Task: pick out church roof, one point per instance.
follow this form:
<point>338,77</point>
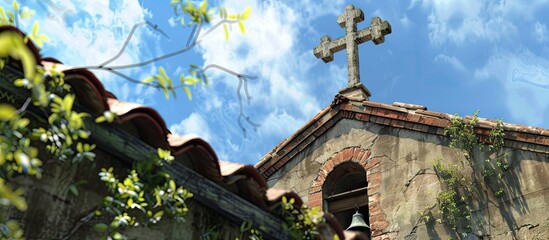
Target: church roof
<point>146,125</point>
<point>397,115</point>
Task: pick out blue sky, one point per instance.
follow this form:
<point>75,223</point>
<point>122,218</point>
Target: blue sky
<point>451,56</point>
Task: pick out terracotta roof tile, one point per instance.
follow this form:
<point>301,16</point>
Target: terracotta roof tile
<point>399,115</point>
<point>148,126</point>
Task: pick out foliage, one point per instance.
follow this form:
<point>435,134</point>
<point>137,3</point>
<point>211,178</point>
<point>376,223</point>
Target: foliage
<point>453,199</point>
<point>300,223</point>
<point>143,196</point>
<point>146,194</point>
<point>201,14</point>
<point>458,192</point>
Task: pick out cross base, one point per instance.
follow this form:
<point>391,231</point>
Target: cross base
<point>357,92</point>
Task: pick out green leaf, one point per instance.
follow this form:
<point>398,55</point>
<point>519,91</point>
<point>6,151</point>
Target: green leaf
<point>117,236</point>
<point>20,82</point>
<point>73,189</point>
<point>203,6</point>
<point>100,227</point>
<point>190,80</point>
<point>15,5</point>
<point>241,25</point>
<point>35,28</point>
<point>158,214</point>
<point>188,92</point>
<point>172,185</point>
<point>148,80</point>
<point>246,13</point>
<point>100,119</point>
<point>7,112</point>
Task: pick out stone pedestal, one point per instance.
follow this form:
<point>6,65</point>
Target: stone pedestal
<point>357,92</point>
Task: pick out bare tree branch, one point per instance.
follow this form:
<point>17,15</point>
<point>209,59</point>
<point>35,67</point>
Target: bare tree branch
<point>130,35</point>
<point>194,39</point>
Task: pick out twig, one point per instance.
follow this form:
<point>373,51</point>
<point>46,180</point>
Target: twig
<point>82,220</point>
<point>130,35</point>
<point>168,55</point>
<point>24,107</point>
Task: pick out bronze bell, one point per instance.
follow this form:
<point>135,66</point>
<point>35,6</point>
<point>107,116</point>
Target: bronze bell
<point>358,223</point>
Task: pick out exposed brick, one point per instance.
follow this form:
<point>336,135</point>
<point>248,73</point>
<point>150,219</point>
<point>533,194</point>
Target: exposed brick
<point>413,118</point>
<point>399,124</point>
<point>380,225</point>
<point>366,156</point>
<point>365,118</point>
<point>315,199</point>
<point>377,233</point>
<point>373,198</point>
<point>377,217</point>
<point>347,154</point>
<point>358,154</point>
<point>338,158</point>
<point>373,190</point>
<point>328,166</point>
<point>373,162</point>
<point>315,189</point>
<point>374,177</point>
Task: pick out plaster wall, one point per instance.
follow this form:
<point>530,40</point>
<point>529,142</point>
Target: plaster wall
<point>402,182</point>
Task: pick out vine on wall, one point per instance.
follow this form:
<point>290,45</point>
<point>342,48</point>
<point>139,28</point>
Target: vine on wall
<point>460,189</point>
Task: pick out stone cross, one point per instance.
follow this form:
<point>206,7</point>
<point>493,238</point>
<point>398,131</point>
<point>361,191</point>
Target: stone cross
<point>376,32</point>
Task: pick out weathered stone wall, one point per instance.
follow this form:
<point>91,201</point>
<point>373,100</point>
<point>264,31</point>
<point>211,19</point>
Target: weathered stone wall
<point>401,182</point>
<point>56,213</point>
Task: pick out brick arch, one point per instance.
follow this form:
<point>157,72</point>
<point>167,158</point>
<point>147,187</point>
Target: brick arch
<point>378,220</point>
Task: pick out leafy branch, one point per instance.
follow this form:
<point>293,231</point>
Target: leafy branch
<point>162,81</point>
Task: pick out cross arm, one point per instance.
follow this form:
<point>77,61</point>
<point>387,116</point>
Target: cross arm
<point>376,32</point>
<point>327,48</point>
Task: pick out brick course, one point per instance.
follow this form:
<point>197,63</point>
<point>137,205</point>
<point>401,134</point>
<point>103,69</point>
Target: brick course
<point>378,220</point>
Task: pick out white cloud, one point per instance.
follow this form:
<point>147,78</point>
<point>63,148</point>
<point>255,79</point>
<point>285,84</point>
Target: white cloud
<point>194,124</point>
<point>283,98</point>
<point>172,21</point>
<point>452,60</point>
<point>405,21</point>
<point>525,80</point>
<point>88,33</point>
<point>540,32</point>
<point>273,56</point>
<point>457,22</point>
<point>280,122</point>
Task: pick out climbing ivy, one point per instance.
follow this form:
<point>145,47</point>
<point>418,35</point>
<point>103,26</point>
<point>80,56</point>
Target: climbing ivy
<point>459,188</point>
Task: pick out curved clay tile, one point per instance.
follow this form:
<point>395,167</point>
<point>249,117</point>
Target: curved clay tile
<point>151,127</point>
<point>274,196</point>
<point>197,154</point>
<point>88,90</point>
<point>191,151</point>
<point>249,183</point>
<point>231,168</point>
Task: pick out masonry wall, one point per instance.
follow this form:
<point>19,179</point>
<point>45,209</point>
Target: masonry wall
<point>55,213</point>
<point>401,182</point>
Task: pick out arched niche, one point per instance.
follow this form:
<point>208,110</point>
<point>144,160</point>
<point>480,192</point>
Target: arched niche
<point>344,191</point>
